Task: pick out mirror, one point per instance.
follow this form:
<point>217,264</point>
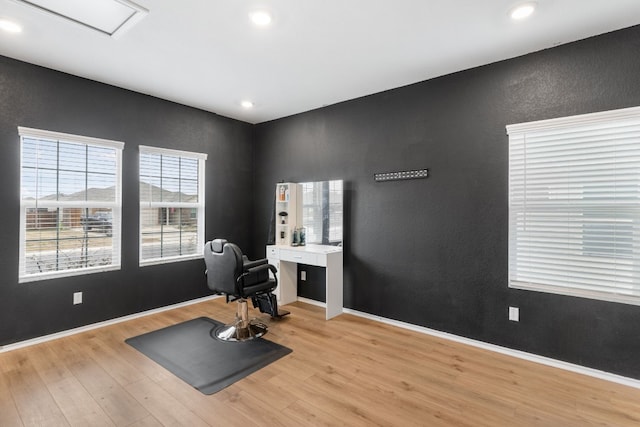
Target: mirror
<point>323,212</point>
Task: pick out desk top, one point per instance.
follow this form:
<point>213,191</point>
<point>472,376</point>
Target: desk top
<point>316,249</point>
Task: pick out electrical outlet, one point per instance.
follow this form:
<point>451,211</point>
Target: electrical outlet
<point>77,298</point>
<point>514,314</point>
<point>303,275</point>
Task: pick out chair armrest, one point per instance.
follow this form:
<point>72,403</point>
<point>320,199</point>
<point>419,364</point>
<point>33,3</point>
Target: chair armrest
<point>247,264</point>
<point>258,268</point>
<point>261,267</point>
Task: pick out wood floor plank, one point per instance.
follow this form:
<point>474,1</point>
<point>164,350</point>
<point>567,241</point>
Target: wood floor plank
<point>162,405</point>
<point>77,405</point>
<point>114,400</point>
<point>8,411</point>
<point>214,410</point>
<point>35,404</point>
<point>146,422</point>
<point>349,371</point>
<point>304,413</point>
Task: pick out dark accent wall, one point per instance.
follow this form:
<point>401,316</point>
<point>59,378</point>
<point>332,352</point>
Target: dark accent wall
<point>433,252</point>
<point>40,98</point>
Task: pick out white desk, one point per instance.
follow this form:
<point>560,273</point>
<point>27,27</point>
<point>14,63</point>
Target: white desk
<point>286,260</point>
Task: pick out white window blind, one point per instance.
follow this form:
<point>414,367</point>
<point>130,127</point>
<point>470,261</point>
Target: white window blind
<point>171,205</point>
<point>70,204</point>
<point>574,205</point>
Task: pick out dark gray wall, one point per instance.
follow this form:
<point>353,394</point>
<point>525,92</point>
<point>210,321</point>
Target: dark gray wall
<point>36,97</point>
<point>429,252</point>
<point>434,252</point>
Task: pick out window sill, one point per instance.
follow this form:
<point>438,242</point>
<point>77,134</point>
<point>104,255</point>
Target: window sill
<point>157,261</point>
<point>602,296</point>
<point>66,273</point>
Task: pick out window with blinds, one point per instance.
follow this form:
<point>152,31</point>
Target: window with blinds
<point>171,205</point>
<point>574,205</point>
<point>70,204</point>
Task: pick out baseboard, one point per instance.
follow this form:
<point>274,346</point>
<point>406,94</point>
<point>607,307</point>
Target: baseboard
<point>45,338</point>
<point>312,302</point>
<point>618,379</point>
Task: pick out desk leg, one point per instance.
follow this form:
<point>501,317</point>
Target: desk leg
<point>288,283</point>
<point>334,285</point>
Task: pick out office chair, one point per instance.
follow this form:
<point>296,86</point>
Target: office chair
<point>234,275</point>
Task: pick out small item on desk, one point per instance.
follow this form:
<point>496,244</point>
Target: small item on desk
<point>303,236</point>
<point>295,240</point>
<point>283,217</point>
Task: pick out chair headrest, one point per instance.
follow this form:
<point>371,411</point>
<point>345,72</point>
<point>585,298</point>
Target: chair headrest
<point>217,245</point>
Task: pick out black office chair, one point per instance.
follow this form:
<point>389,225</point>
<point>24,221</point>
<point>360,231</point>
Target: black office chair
<point>234,275</point>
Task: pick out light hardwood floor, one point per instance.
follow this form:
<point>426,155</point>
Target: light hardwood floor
<point>347,371</point>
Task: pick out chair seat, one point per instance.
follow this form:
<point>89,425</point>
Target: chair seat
<point>251,290</point>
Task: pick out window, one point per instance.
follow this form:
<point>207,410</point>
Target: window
<point>574,205</point>
<point>171,205</point>
<point>70,204</point>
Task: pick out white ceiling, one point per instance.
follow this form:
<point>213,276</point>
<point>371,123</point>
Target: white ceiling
<point>207,54</point>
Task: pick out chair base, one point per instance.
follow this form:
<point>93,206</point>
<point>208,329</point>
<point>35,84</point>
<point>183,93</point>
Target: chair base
<point>239,332</point>
<point>242,329</point>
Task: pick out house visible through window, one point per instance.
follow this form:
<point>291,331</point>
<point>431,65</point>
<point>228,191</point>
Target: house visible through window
<point>171,205</point>
<point>574,205</point>
<point>70,205</point>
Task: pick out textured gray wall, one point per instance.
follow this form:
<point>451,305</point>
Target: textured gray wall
<point>434,252</point>
<point>40,98</point>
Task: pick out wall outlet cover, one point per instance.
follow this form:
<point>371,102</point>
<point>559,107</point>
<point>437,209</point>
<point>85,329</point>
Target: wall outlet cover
<point>77,298</point>
<point>514,314</point>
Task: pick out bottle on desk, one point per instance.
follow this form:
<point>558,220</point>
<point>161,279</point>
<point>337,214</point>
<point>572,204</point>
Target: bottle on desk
<point>302,236</point>
<point>295,237</point>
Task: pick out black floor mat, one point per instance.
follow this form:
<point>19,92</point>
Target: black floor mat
<point>188,351</point>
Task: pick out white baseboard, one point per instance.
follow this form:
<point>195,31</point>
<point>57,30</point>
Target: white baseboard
<point>80,329</point>
<point>619,379</point>
<point>312,302</point>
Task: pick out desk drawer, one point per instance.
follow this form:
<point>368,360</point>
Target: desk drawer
<point>273,252</point>
<point>299,257</point>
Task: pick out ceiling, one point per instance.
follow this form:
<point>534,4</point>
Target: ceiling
<point>207,54</point>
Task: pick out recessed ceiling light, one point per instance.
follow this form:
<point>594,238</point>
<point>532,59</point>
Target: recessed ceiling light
<point>260,18</point>
<point>522,11</point>
<point>9,26</point>
<point>246,104</point>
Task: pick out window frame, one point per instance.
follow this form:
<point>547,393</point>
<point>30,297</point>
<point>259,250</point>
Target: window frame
<point>116,205</point>
<point>200,205</point>
<point>627,118</point>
